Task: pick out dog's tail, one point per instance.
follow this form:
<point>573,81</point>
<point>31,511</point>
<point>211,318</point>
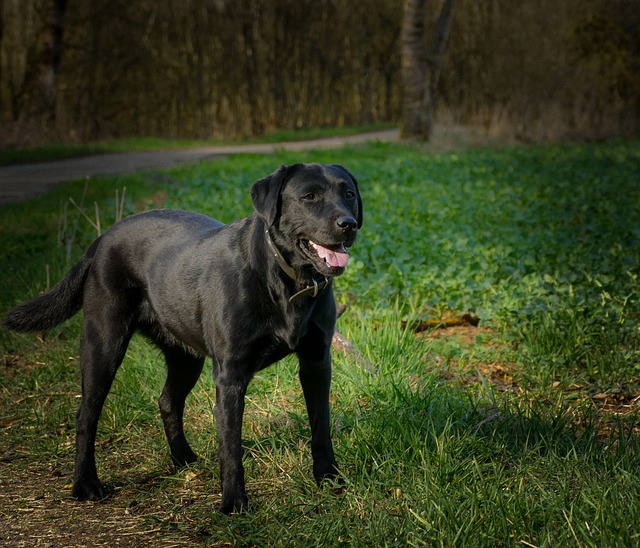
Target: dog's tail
<point>55,306</point>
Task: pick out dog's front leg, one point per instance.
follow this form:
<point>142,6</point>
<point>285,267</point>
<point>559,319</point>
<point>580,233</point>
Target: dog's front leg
<point>229,409</point>
<point>315,377</point>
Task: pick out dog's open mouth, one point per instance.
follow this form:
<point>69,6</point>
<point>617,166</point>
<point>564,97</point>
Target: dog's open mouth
<point>333,256</point>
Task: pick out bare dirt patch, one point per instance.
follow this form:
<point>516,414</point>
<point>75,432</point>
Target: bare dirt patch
<point>502,374</point>
<point>36,510</point>
<point>616,407</point>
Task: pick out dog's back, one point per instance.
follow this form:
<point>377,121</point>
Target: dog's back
<point>65,299</point>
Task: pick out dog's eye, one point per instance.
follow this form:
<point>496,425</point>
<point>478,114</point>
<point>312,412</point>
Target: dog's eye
<point>349,194</point>
<point>309,197</point>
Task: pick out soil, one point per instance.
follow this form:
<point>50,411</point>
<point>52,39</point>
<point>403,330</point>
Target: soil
<point>35,510</point>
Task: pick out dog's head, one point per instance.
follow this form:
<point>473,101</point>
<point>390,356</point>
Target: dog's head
<point>314,212</point>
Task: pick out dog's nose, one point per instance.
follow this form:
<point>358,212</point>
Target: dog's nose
<point>346,223</point>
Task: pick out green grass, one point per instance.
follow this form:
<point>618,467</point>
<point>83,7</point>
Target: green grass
<point>541,243</point>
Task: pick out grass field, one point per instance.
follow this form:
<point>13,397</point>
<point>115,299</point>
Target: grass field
<point>521,430</point>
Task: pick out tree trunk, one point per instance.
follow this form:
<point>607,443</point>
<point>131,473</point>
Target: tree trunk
<point>438,44</point>
<point>414,64</point>
<point>51,56</point>
<point>420,72</point>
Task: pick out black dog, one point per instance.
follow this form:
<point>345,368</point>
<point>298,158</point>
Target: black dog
<point>247,294</point>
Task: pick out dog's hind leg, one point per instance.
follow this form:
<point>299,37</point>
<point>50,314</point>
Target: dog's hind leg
<point>183,370</point>
<point>108,327</point>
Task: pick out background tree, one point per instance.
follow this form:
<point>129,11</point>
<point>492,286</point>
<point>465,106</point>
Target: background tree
<point>414,67</point>
<point>50,58</point>
<point>421,70</point>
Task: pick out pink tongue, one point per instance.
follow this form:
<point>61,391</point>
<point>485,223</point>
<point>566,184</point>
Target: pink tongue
<point>333,258</point>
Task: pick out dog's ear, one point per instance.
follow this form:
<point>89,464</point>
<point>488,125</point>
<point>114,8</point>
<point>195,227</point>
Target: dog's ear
<point>359,217</point>
<point>265,195</point>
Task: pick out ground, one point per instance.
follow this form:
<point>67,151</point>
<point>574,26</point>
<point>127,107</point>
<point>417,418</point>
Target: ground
<point>36,508</point>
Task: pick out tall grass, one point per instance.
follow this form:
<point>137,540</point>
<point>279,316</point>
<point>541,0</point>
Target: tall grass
<point>538,242</point>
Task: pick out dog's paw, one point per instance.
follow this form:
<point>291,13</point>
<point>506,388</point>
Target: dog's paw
<point>184,458</point>
<point>327,473</point>
<point>232,505</point>
<point>328,476</point>
<point>87,490</point>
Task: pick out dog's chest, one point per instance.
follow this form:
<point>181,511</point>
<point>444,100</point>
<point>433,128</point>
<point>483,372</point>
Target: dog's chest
<point>279,338</point>
<point>289,329</point>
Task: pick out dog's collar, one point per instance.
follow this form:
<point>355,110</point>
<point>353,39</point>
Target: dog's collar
<point>311,290</point>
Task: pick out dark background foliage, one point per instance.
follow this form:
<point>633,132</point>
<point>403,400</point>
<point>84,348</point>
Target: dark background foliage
<point>534,70</point>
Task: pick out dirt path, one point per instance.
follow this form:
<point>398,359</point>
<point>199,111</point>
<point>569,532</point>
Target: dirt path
<point>24,181</point>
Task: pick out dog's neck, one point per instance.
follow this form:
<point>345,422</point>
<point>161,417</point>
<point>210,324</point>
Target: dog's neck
<point>308,290</point>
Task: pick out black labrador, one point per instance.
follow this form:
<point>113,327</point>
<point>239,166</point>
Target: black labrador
<point>247,294</point>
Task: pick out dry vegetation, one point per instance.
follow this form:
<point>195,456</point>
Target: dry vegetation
<point>531,70</point>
